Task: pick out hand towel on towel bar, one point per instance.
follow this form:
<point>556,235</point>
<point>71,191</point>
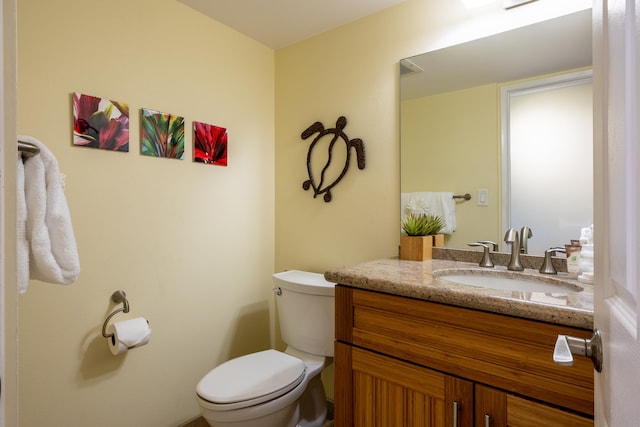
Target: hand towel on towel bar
<point>44,222</point>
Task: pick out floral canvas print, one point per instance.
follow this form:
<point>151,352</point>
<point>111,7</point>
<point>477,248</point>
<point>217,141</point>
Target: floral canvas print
<point>209,144</point>
<point>162,135</point>
<point>100,123</point>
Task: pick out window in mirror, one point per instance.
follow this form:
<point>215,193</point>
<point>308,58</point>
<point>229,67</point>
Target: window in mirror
<point>548,158</point>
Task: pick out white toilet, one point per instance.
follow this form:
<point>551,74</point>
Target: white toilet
<point>271,388</point>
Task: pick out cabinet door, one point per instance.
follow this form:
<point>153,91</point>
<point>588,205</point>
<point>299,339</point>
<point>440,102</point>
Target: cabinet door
<point>495,408</point>
<point>379,391</point>
<point>491,407</point>
<point>525,413</point>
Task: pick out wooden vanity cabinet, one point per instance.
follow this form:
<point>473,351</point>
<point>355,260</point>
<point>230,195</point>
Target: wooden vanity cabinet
<point>412,363</point>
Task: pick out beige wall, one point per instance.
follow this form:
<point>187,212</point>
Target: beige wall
<point>191,244</point>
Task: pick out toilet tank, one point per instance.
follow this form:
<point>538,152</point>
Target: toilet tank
<point>306,311</point>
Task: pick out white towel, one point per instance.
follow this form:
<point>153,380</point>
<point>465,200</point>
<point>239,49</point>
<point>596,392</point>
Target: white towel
<point>441,204</point>
<point>52,245</point>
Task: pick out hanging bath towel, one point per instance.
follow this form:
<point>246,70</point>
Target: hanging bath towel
<point>44,223</point>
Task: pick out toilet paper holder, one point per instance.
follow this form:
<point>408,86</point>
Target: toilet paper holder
<point>117,297</point>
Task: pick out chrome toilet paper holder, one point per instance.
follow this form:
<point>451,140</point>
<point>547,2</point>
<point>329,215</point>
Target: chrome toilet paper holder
<point>117,297</point>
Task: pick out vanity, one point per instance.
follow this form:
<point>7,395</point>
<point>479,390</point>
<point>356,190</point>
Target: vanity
<point>415,349</point>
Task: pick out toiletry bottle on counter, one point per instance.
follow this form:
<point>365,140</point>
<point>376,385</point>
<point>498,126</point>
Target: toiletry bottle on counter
<point>573,257</point>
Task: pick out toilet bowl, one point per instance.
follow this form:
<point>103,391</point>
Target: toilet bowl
<point>272,388</point>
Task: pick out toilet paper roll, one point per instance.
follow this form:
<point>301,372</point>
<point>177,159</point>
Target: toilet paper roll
<point>128,334</point>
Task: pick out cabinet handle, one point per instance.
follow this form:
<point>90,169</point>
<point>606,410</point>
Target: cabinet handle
<point>455,414</point>
<point>487,420</point>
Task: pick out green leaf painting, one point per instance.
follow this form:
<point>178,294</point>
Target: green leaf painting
<point>162,135</point>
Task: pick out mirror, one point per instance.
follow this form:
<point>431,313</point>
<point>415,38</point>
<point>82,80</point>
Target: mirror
<point>450,118</point>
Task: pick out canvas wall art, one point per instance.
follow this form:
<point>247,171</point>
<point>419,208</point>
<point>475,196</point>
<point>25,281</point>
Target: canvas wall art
<point>209,144</point>
<point>162,135</point>
<point>100,123</point>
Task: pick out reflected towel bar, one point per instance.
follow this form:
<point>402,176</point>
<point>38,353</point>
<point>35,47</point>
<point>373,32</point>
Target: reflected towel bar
<point>466,196</point>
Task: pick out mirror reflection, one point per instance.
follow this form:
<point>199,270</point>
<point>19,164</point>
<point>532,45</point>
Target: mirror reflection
<point>458,132</point>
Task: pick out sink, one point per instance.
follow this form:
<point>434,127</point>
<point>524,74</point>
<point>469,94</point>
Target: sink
<point>507,280</point>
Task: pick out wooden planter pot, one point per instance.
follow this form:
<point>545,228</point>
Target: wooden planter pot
<point>419,248</point>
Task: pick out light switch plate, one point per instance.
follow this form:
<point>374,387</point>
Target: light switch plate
<point>483,197</point>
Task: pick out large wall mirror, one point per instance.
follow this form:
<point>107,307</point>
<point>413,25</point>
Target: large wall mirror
<point>456,106</point>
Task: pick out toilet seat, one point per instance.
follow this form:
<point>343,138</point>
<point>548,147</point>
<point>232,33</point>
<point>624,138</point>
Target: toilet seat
<point>251,379</point>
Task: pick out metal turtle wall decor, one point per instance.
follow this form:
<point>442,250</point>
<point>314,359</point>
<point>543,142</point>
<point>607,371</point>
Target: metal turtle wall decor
<point>327,180</point>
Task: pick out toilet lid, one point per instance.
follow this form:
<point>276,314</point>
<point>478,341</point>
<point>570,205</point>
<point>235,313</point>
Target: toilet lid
<point>264,375</point>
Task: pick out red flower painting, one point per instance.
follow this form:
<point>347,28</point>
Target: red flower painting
<point>100,123</point>
<point>209,144</point>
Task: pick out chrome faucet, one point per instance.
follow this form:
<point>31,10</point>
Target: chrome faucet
<point>511,237</point>
<point>525,235</point>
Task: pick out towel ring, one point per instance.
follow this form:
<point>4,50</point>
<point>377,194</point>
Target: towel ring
<point>117,297</point>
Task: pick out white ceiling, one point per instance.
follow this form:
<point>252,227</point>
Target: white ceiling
<point>280,23</point>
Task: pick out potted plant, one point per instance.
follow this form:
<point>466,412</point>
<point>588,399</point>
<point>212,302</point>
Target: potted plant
<point>421,236</point>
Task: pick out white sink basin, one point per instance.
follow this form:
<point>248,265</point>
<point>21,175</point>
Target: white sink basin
<point>507,280</point>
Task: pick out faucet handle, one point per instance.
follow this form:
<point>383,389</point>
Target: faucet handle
<point>547,265</point>
<point>486,256</point>
<point>489,242</point>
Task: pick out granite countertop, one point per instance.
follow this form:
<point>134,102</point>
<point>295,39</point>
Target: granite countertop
<point>420,280</point>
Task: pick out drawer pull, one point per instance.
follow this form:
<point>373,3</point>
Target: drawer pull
<point>455,414</point>
<point>487,420</point>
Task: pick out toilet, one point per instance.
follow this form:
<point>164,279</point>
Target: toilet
<point>272,388</point>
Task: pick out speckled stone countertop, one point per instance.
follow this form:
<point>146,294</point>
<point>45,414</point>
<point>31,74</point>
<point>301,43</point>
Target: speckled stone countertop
<point>420,280</point>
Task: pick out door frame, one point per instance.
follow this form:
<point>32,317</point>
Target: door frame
<point>8,270</point>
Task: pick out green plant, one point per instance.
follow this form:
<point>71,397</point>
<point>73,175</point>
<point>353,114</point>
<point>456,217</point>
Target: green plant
<point>422,224</point>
